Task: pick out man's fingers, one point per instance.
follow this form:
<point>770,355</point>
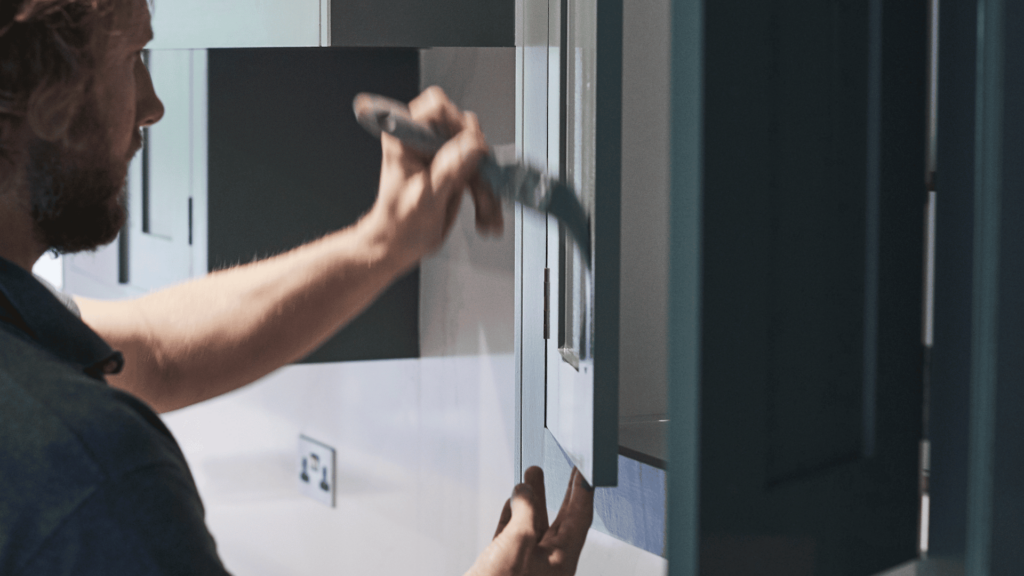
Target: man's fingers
<point>575,516</point>
<point>524,510</point>
<point>451,213</point>
<point>488,207</point>
<point>459,159</point>
<point>534,477</point>
<point>506,515</point>
<point>433,108</point>
<point>568,492</point>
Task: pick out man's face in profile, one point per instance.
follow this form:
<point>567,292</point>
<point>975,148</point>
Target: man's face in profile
<point>77,193</point>
<point>77,188</point>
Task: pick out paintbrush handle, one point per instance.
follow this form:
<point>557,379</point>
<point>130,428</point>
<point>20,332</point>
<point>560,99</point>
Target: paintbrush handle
<point>378,114</point>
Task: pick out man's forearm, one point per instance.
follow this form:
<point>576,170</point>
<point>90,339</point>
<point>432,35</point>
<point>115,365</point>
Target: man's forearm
<point>197,340</point>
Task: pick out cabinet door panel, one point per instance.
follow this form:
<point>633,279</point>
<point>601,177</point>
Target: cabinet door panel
<point>811,206</point>
<point>581,64</point>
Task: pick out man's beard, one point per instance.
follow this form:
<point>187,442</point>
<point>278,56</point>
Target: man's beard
<point>77,193</point>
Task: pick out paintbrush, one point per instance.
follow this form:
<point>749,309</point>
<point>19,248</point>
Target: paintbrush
<point>508,178</point>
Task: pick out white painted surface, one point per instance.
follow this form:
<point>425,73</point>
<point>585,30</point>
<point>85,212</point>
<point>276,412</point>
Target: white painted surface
<point>181,24</point>
<point>423,465</point>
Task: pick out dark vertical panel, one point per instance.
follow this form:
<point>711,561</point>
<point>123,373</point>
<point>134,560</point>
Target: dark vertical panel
<point>145,180</point>
<point>684,323</point>
<point>977,392</point>
<point>607,228</point>
<point>950,368</point>
<point>872,208</point>
<point>288,164</point>
<point>818,236</point>
<point>122,257</point>
<point>414,23</point>
<point>1008,496</point>
<point>809,238</point>
<point>995,506</point>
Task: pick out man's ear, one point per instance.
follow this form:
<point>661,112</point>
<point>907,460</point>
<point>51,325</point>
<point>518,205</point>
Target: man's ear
<point>52,108</point>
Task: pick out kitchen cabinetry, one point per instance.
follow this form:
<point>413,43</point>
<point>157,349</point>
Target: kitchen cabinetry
<point>795,353</point>
<point>796,350</point>
<point>184,24</point>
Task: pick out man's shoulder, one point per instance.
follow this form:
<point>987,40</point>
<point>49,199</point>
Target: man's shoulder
<point>63,437</point>
<point>47,402</point>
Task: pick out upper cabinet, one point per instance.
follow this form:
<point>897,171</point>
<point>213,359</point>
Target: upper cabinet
<point>179,24</point>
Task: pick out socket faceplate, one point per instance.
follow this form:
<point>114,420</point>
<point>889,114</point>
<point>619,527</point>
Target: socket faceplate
<point>315,474</point>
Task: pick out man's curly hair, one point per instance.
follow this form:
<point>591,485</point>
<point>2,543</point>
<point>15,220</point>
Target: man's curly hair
<point>48,56</point>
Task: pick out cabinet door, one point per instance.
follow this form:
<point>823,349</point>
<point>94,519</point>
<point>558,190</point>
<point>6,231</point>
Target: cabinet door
<point>584,148</point>
<point>579,306</point>
<point>572,94</point>
<point>798,204</point>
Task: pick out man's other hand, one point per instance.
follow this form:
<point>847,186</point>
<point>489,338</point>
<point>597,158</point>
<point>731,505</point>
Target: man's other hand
<point>524,544</point>
<point>419,196</point>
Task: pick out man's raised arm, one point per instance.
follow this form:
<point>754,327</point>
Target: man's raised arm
<point>203,338</point>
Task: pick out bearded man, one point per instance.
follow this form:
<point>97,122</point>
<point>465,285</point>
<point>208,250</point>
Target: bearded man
<point>91,482</point>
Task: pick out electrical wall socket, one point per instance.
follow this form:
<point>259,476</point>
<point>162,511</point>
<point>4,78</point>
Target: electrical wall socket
<point>316,474</point>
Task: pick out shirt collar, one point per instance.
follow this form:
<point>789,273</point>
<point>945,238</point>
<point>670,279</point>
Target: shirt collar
<point>27,307</point>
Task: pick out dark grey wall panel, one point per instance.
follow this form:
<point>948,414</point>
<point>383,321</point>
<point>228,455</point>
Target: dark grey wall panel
<point>423,24</point>
<point>288,164</point>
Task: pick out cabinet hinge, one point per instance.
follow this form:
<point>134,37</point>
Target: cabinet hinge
<point>547,303</point>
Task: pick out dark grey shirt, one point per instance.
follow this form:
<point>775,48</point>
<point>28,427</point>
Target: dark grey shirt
<point>91,481</point>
